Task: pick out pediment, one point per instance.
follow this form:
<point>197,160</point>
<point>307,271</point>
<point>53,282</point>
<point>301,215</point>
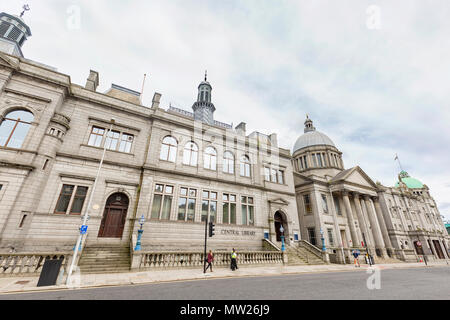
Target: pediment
<point>355,176</point>
<point>279,201</point>
<point>300,179</point>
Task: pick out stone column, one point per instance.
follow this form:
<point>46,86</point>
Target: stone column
<point>341,257</point>
<point>379,243</point>
<point>351,220</point>
<point>384,231</point>
<point>362,222</point>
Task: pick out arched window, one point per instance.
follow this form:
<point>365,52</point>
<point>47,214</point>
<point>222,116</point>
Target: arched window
<point>169,149</point>
<point>14,128</point>
<point>210,159</point>
<point>190,154</point>
<point>245,166</point>
<point>228,162</point>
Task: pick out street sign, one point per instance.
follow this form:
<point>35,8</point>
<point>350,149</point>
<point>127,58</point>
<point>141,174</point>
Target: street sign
<point>83,229</point>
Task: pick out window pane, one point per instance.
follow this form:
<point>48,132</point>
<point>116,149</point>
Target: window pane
<point>192,193</point>
<point>226,208</point>
<point>64,199</point>
<point>250,200</point>
<point>183,191</point>
<point>191,210</point>
<point>214,195</point>
<point>165,214</point>
<point>182,208</point>
<point>267,174</point>
<point>251,216</point>
<point>169,189</point>
<point>205,205</point>
<point>225,197</point>
<point>232,213</point>
<point>213,211</point>
<point>78,202</point>
<point>233,198</point>
<point>280,177</point>
<point>164,155</point>
<point>172,154</point>
<point>5,131</point>
<point>206,194</point>
<point>244,199</point>
<point>244,214</point>
<point>19,135</point>
<point>20,114</point>
<point>156,207</point>
<point>159,188</point>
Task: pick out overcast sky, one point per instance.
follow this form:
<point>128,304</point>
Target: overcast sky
<point>373,75</point>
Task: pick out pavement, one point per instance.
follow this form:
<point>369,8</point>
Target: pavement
<point>23,284</point>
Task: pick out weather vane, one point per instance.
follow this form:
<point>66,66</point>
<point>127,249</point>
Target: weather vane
<point>25,8</point>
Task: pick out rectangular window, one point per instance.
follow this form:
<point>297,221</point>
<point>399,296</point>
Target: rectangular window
<point>307,202</point>
<point>305,162</point>
<point>229,208</point>
<point>267,174</point>
<point>337,205</point>
<point>330,237</point>
<point>209,206</point>
<point>73,197</point>
<point>319,159</point>
<point>273,175</point>
<point>280,177</point>
<point>324,203</point>
<point>186,204</point>
<point>312,236</point>
<point>314,160</point>
<point>162,202</point>
<point>126,142</point>
<point>248,211</point>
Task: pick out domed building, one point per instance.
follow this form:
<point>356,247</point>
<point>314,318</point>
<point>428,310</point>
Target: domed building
<point>344,209</point>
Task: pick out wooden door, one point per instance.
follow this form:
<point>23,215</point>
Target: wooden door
<point>114,216</point>
<point>438,248</point>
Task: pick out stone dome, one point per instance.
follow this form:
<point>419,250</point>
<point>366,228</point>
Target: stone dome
<point>312,137</point>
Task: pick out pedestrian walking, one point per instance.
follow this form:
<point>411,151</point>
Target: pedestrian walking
<point>210,260</point>
<point>234,260</point>
<point>356,254</point>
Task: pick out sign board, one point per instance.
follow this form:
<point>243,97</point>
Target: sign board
<point>83,229</point>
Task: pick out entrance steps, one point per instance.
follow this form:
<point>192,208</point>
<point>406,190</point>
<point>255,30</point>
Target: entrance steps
<point>105,259</point>
<point>302,256</point>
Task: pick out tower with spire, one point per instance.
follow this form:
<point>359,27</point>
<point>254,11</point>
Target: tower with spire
<point>203,108</point>
<point>13,33</point>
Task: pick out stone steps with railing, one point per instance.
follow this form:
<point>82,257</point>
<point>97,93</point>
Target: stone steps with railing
<point>105,259</point>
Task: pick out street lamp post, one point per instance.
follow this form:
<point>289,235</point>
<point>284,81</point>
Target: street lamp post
<point>83,228</point>
<point>324,248</point>
<point>283,247</point>
<point>140,232</point>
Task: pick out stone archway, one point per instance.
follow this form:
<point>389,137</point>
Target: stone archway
<point>114,216</point>
<point>280,219</point>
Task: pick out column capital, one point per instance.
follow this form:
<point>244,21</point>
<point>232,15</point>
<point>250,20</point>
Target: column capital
<point>345,193</point>
<point>366,197</point>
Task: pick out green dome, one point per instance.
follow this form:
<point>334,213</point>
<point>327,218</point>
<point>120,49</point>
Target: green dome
<point>411,183</point>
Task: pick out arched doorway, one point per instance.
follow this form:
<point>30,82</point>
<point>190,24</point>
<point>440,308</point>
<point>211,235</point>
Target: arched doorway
<point>114,216</point>
<point>280,220</point>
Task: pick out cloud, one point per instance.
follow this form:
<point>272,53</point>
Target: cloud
<point>374,92</point>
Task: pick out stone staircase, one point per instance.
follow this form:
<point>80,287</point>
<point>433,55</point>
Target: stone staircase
<point>105,259</point>
<point>302,256</point>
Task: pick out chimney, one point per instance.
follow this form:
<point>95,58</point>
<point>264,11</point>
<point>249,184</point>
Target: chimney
<point>156,100</point>
<point>92,81</point>
<point>240,128</point>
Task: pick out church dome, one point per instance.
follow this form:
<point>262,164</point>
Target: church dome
<point>312,137</point>
<point>411,183</point>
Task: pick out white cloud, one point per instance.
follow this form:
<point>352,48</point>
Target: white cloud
<point>374,92</point>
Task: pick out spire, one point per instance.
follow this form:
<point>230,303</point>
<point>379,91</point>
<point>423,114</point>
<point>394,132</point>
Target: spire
<point>309,125</point>
<point>206,75</point>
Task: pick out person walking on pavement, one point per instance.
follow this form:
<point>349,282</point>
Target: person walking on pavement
<point>210,260</point>
<point>356,254</point>
<point>234,260</point>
